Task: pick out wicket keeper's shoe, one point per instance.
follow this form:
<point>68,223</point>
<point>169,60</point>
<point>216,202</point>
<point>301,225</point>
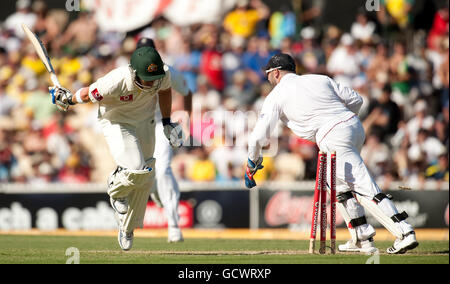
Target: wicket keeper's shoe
<point>119,205</point>
<point>367,246</point>
<point>175,235</point>
<point>401,246</point>
<point>125,240</point>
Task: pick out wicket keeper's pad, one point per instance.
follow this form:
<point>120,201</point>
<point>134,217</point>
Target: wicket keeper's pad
<point>381,215</point>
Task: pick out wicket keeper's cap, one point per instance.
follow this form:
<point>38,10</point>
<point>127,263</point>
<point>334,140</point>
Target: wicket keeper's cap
<point>281,61</point>
<point>148,64</point>
<point>145,41</point>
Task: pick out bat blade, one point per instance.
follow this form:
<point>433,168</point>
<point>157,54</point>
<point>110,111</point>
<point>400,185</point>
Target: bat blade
<point>42,53</point>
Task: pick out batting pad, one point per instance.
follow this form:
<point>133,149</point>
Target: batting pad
<point>137,201</point>
<point>125,181</point>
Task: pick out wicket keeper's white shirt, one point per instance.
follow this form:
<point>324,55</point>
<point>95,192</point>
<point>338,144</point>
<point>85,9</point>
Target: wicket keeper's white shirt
<point>310,105</point>
<point>178,83</point>
<point>120,100</point>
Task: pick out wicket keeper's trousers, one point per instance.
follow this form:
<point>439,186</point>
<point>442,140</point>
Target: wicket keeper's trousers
<point>347,138</point>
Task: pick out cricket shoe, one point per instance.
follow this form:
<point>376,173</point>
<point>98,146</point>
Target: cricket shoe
<point>119,205</point>
<point>401,246</point>
<point>125,240</point>
<point>366,247</point>
<point>175,235</point>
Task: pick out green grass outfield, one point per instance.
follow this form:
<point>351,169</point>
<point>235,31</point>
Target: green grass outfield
<point>17,249</point>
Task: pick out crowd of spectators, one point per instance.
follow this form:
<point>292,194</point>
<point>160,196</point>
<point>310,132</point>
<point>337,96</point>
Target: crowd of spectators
<point>402,74</point>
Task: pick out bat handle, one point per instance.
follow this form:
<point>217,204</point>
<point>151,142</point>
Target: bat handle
<point>55,80</point>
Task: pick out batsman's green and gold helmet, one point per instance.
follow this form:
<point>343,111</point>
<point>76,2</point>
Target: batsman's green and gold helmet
<point>147,64</point>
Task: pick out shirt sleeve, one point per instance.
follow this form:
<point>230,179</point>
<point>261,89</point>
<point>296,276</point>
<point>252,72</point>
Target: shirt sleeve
<point>266,124</point>
<point>351,99</point>
<point>178,82</point>
<point>166,81</point>
<point>105,86</point>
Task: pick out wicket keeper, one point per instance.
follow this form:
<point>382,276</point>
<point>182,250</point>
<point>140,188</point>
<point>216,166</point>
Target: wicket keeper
<point>318,109</point>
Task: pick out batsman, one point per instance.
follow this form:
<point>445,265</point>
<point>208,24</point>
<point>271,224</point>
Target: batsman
<point>127,99</point>
<point>318,109</point>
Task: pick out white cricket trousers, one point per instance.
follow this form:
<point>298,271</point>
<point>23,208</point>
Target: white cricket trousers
<point>167,186</point>
<point>347,139</point>
<point>132,147</point>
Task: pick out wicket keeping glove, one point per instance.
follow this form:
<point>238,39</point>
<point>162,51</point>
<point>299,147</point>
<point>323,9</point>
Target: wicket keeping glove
<point>252,168</point>
<point>173,132</point>
<point>61,97</point>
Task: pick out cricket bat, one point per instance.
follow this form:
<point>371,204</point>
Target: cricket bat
<point>42,53</point>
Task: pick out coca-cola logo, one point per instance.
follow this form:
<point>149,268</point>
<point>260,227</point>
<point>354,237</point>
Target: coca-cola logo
<point>285,209</point>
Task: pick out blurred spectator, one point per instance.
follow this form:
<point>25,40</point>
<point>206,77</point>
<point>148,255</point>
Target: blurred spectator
<point>211,61</point>
<point>439,28</point>
<point>23,15</point>
<point>39,105</point>
<point>376,155</point>
<point>399,74</point>
<point>441,126</point>
<point>74,171</point>
<point>256,57</point>
<point>187,62</point>
<point>439,59</point>
<point>378,69</point>
<point>307,152</point>
<point>384,116</point>
<point>58,144</point>
<point>80,36</point>
<point>8,41</point>
<point>426,145</point>
<point>232,58</point>
<point>203,169</point>
<point>399,10</point>
<point>240,89</point>
<point>7,159</point>
<point>311,12</point>
<point>243,20</point>
<point>363,29</point>
<point>226,159</point>
<point>421,120</point>
<point>289,167</point>
<point>282,24</point>
<point>343,64</point>
<point>7,104</point>
<point>312,58</point>
<point>439,170</point>
<point>248,61</point>
<point>443,73</point>
<point>205,97</point>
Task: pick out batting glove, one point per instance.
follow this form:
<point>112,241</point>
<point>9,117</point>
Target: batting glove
<point>61,97</point>
<point>173,132</point>
<point>252,168</point>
